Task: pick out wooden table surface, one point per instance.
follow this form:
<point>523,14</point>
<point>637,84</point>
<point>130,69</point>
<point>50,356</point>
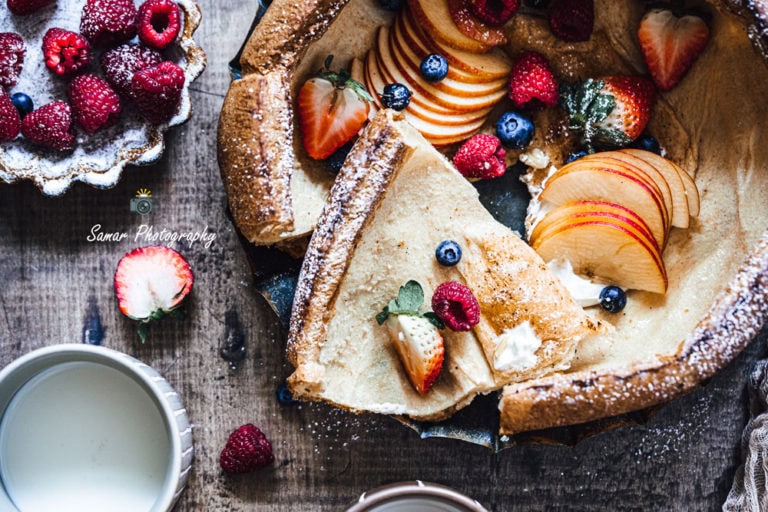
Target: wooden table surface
<point>51,277</point>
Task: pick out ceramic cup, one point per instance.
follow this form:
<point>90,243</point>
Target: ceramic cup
<point>86,428</point>
<point>415,496</point>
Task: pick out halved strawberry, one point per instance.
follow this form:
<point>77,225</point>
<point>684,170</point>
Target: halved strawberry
<point>420,347</point>
<point>151,282</point>
<point>611,111</point>
<point>415,335</point>
<point>671,44</point>
<point>332,108</point>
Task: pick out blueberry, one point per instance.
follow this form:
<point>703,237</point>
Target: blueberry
<point>23,103</point>
<point>284,396</point>
<point>448,253</point>
<point>575,156</point>
<point>336,160</point>
<point>648,143</point>
<point>434,67</point>
<point>613,299</point>
<point>391,5</point>
<point>515,131</point>
<point>396,96</point>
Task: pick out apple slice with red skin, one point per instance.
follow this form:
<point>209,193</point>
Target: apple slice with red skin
<point>437,133</point>
<point>435,18</point>
<point>640,165</point>
<point>470,26</point>
<point>608,248</point>
<point>492,65</point>
<point>581,209</point>
<point>417,52</point>
<point>684,189</point>
<point>410,67</point>
<point>596,182</point>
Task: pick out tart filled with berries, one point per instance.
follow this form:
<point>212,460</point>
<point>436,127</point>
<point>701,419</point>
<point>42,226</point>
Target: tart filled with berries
<point>94,89</point>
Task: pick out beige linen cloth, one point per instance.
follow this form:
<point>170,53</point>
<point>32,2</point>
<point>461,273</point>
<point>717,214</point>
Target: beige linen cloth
<point>750,485</point>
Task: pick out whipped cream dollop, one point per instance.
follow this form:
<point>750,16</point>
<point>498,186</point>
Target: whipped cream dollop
<point>583,291</point>
<point>516,348</point>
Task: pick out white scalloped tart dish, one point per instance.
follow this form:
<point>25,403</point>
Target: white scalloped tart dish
<point>99,159</point>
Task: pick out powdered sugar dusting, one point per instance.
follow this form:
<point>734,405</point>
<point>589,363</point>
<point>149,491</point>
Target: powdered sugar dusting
<point>99,158</point>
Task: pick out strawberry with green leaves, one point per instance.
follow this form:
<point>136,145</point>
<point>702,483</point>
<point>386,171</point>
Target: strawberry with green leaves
<point>416,336</point>
<point>608,112</point>
<point>332,108</point>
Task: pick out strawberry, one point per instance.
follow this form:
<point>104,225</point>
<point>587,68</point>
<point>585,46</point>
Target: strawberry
<point>151,282</point>
<point>671,44</point>
<point>415,335</point>
<point>611,111</point>
<point>332,108</point>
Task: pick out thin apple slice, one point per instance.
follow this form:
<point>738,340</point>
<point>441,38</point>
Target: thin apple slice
<point>470,26</point>
<point>689,186</point>
<point>435,17</point>
<point>587,209</point>
<point>410,68</point>
<point>631,170</point>
<point>607,248</point>
<point>416,53</point>
<point>610,184</point>
<point>426,96</point>
<point>641,166</point>
<point>492,65</point>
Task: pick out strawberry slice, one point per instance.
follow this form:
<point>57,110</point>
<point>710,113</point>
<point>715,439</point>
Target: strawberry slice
<point>420,347</point>
<point>671,44</point>
<point>415,336</point>
<point>332,108</point>
<point>151,282</point>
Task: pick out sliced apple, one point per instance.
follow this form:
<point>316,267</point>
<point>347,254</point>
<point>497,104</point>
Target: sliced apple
<point>581,210</point>
<point>680,209</point>
<point>641,166</point>
<point>672,171</point>
<point>470,26</point>
<point>435,17</point>
<point>594,182</point>
<point>459,100</point>
<point>606,247</point>
<point>491,65</point>
<point>416,51</point>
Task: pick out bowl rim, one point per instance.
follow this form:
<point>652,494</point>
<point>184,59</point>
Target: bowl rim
<point>416,488</point>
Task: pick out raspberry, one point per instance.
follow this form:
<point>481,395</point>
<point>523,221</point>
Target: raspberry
<point>24,7</point>
<point>157,91</point>
<point>247,450</point>
<point>65,51</point>
<point>494,12</point>
<point>12,51</point>
<point>456,306</point>
<point>572,20</point>
<point>108,22</point>
<point>121,63</point>
<point>50,126</point>
<point>159,23</point>
<point>10,121</point>
<point>482,156</point>
<point>531,83</point>
<point>94,104</point>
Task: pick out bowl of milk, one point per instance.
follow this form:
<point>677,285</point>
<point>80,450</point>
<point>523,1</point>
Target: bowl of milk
<point>89,429</point>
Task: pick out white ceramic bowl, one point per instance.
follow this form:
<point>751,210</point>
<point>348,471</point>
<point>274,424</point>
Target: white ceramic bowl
<point>416,496</point>
<point>88,428</point>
